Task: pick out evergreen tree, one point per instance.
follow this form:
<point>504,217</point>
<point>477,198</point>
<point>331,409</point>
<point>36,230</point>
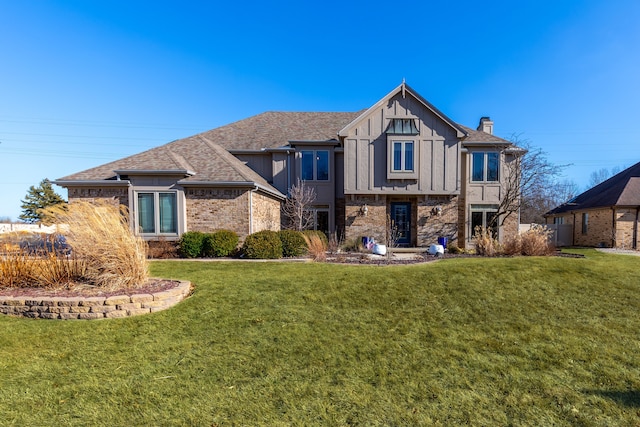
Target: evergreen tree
<point>37,200</point>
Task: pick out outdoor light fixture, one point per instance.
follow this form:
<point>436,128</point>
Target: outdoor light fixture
<point>437,211</point>
<point>364,210</point>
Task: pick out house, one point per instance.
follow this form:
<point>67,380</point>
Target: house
<point>400,163</point>
<point>605,215</point>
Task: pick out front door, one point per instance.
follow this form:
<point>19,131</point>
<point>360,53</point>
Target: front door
<point>401,222</point>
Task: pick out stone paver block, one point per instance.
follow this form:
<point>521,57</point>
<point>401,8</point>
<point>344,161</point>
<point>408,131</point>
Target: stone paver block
<point>92,301</point>
<point>68,316</point>
<point>81,309</point>
<point>90,316</point>
<point>129,306</point>
<point>137,311</point>
<point>58,309</point>
<point>117,300</point>
<point>49,315</point>
<point>116,314</point>
<point>14,301</point>
<point>103,309</point>
<point>141,298</point>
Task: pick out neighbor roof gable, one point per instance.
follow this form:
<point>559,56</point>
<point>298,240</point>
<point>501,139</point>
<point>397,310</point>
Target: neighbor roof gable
<point>622,189</point>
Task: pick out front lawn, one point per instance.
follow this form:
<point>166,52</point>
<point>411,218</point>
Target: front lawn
<point>503,341</point>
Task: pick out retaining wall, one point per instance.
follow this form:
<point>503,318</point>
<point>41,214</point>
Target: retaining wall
<point>89,308</point>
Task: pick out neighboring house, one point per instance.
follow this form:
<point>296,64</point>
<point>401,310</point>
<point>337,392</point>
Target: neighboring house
<point>400,162</point>
<point>605,215</point>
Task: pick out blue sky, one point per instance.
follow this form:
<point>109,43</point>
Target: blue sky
<point>84,83</point>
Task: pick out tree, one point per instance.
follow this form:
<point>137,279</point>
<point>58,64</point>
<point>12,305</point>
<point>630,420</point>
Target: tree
<point>296,207</point>
<point>38,200</point>
<point>601,175</point>
<point>528,182</point>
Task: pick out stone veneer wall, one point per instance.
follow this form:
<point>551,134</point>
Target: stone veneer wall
<point>431,226</point>
<point>116,196</point>
<point>266,212</point>
<point>210,209</point>
<point>373,224</point>
<point>89,308</point>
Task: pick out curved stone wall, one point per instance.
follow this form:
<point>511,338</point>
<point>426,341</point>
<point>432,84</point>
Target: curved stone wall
<point>89,308</point>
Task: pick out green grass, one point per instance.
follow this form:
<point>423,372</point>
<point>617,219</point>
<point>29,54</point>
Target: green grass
<point>506,341</point>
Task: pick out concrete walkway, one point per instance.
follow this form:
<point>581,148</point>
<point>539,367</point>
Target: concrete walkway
<point>619,251</point>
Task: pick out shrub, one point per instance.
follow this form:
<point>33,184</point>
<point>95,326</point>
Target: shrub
<point>264,244</point>
<point>454,249</point>
<point>190,245</point>
<point>293,243</point>
<point>220,243</point>
<point>353,245</point>
<point>316,245</point>
<point>534,242</point>
<point>486,243</point>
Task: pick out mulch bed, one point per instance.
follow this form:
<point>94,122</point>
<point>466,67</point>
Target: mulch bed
<point>83,290</point>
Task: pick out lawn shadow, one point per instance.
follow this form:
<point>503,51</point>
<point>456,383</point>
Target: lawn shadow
<point>630,398</point>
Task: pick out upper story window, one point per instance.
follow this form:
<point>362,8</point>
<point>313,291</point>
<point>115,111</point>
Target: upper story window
<point>402,156</point>
<point>314,165</point>
<point>485,166</point>
<point>402,127</point>
<point>157,212</point>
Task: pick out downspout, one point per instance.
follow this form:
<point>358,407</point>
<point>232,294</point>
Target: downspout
<point>573,233</point>
<point>635,229</point>
<point>614,233</point>
<point>251,209</point>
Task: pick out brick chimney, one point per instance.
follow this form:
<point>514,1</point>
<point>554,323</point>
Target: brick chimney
<point>486,125</point>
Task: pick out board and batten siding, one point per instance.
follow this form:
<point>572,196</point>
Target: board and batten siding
<point>437,154</point>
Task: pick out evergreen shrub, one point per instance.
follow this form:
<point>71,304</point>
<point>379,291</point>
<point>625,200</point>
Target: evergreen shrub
<point>190,245</point>
<point>293,243</point>
<point>220,243</point>
<point>264,244</point>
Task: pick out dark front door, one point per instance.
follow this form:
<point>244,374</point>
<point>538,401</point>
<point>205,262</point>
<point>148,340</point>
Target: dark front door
<point>401,222</point>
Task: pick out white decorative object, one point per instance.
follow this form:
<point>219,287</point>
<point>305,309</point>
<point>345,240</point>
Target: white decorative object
<point>436,250</point>
<point>379,249</point>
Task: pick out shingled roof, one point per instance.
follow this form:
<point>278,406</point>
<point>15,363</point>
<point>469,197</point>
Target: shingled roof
<point>622,189</point>
<point>208,155</point>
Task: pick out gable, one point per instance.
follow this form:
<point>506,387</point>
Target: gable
<point>402,102</point>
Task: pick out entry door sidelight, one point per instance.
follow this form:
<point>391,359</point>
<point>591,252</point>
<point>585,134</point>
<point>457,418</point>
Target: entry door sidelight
<point>401,220</point>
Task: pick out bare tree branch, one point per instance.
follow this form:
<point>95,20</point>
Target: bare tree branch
<point>296,207</point>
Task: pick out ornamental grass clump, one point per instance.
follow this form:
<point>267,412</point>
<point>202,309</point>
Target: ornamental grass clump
<point>99,235</point>
<point>485,242</point>
<point>317,246</point>
<point>534,242</point>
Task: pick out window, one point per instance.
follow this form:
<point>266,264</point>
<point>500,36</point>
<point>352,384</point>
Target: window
<point>558,220</point>
<point>483,216</point>
<point>320,220</point>
<point>485,166</point>
<point>585,223</point>
<point>314,165</point>
<point>157,213</point>
<point>402,156</point>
